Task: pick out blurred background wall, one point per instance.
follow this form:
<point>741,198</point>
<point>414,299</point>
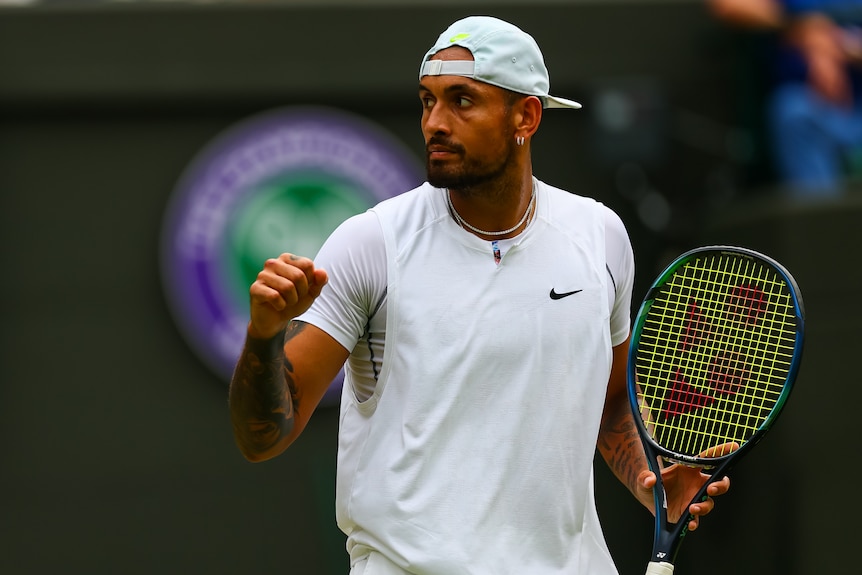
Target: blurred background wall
<point>117,454</point>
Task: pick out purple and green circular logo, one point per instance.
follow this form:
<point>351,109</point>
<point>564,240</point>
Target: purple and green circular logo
<point>278,182</point>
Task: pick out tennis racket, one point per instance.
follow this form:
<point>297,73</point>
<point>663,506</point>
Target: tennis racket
<point>714,353</point>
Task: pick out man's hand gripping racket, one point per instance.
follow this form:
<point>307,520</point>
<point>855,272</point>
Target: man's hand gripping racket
<point>715,350</point>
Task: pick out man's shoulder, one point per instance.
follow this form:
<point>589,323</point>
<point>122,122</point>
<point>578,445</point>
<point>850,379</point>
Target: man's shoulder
<point>577,213</point>
<point>564,201</point>
<point>408,197</point>
<point>419,201</point>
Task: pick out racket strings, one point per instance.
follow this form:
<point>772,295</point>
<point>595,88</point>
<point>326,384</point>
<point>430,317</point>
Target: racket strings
<point>716,347</point>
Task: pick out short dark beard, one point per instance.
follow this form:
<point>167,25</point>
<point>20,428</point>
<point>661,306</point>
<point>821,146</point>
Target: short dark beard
<point>468,177</point>
<point>470,174</point>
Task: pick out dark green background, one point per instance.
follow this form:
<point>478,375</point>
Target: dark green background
<point>117,454</point>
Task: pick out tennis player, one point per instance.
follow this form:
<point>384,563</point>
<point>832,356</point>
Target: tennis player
<point>482,320</point>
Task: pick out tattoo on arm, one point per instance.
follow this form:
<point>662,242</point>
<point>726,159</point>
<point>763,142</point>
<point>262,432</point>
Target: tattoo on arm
<point>263,394</point>
<point>620,445</point>
<point>294,328</point>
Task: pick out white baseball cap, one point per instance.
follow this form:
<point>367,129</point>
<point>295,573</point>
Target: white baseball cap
<point>503,55</point>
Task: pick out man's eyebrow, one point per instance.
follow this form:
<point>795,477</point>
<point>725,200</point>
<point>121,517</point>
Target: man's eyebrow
<point>453,88</point>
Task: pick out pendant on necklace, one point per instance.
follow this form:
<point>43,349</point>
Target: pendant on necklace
<point>495,247</point>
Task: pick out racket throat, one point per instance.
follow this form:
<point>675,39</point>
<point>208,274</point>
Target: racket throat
<point>667,543</point>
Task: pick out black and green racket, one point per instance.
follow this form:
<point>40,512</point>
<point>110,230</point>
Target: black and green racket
<point>715,350</point>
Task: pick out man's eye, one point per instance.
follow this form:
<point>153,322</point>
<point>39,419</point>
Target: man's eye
<point>464,102</point>
<point>427,102</point>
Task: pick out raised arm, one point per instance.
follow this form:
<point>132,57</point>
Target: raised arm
<point>285,366</point>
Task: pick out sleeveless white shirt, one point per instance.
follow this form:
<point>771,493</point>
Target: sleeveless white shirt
<point>471,450</point>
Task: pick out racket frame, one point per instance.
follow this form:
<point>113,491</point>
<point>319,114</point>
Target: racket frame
<point>668,536</point>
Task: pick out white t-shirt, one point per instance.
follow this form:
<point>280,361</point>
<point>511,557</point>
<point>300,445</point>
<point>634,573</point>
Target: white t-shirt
<point>474,390</point>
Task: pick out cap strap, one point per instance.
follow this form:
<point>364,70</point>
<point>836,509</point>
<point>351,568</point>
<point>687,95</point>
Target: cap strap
<point>448,68</point>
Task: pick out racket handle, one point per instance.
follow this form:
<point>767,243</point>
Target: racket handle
<point>659,568</point>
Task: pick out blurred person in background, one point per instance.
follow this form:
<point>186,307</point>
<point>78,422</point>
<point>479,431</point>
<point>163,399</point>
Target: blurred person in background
<point>814,105</point>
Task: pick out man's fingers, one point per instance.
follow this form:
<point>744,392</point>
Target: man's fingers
<point>286,281</point>
<point>297,271</point>
<point>694,524</point>
<point>318,281</point>
<point>305,265</point>
<point>289,275</point>
<point>720,450</point>
<point>719,487</point>
<point>261,293</point>
<point>702,507</point>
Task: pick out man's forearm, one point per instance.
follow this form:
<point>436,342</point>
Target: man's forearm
<point>262,398</point>
<point>621,448</point>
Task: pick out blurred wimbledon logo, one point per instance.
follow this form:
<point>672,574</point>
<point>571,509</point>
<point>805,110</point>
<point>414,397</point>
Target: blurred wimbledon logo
<point>278,182</point>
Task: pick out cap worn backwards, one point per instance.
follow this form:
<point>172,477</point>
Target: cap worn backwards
<point>503,55</point>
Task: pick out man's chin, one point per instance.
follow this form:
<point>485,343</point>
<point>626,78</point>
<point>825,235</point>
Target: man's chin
<point>456,182</point>
<point>440,182</point>
<point>443,180</point>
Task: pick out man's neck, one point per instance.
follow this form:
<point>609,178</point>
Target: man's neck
<point>494,208</point>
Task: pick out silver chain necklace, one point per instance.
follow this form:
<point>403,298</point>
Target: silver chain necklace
<point>464,224</point>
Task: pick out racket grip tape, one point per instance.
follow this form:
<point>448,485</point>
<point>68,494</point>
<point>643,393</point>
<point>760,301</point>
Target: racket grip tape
<point>659,568</point>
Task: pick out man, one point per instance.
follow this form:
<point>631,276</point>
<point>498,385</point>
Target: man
<point>484,319</point>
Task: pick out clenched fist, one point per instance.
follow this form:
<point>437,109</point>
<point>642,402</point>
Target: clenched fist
<point>284,289</point>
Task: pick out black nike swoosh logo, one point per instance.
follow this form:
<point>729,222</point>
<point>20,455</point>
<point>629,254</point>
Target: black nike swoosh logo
<point>555,295</point>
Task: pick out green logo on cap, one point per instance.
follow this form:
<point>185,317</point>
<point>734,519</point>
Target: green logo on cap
<point>457,37</point>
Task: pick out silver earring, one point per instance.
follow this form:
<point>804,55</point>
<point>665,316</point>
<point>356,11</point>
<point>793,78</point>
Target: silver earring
<point>519,140</point>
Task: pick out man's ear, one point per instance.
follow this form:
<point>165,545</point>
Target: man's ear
<point>529,117</point>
